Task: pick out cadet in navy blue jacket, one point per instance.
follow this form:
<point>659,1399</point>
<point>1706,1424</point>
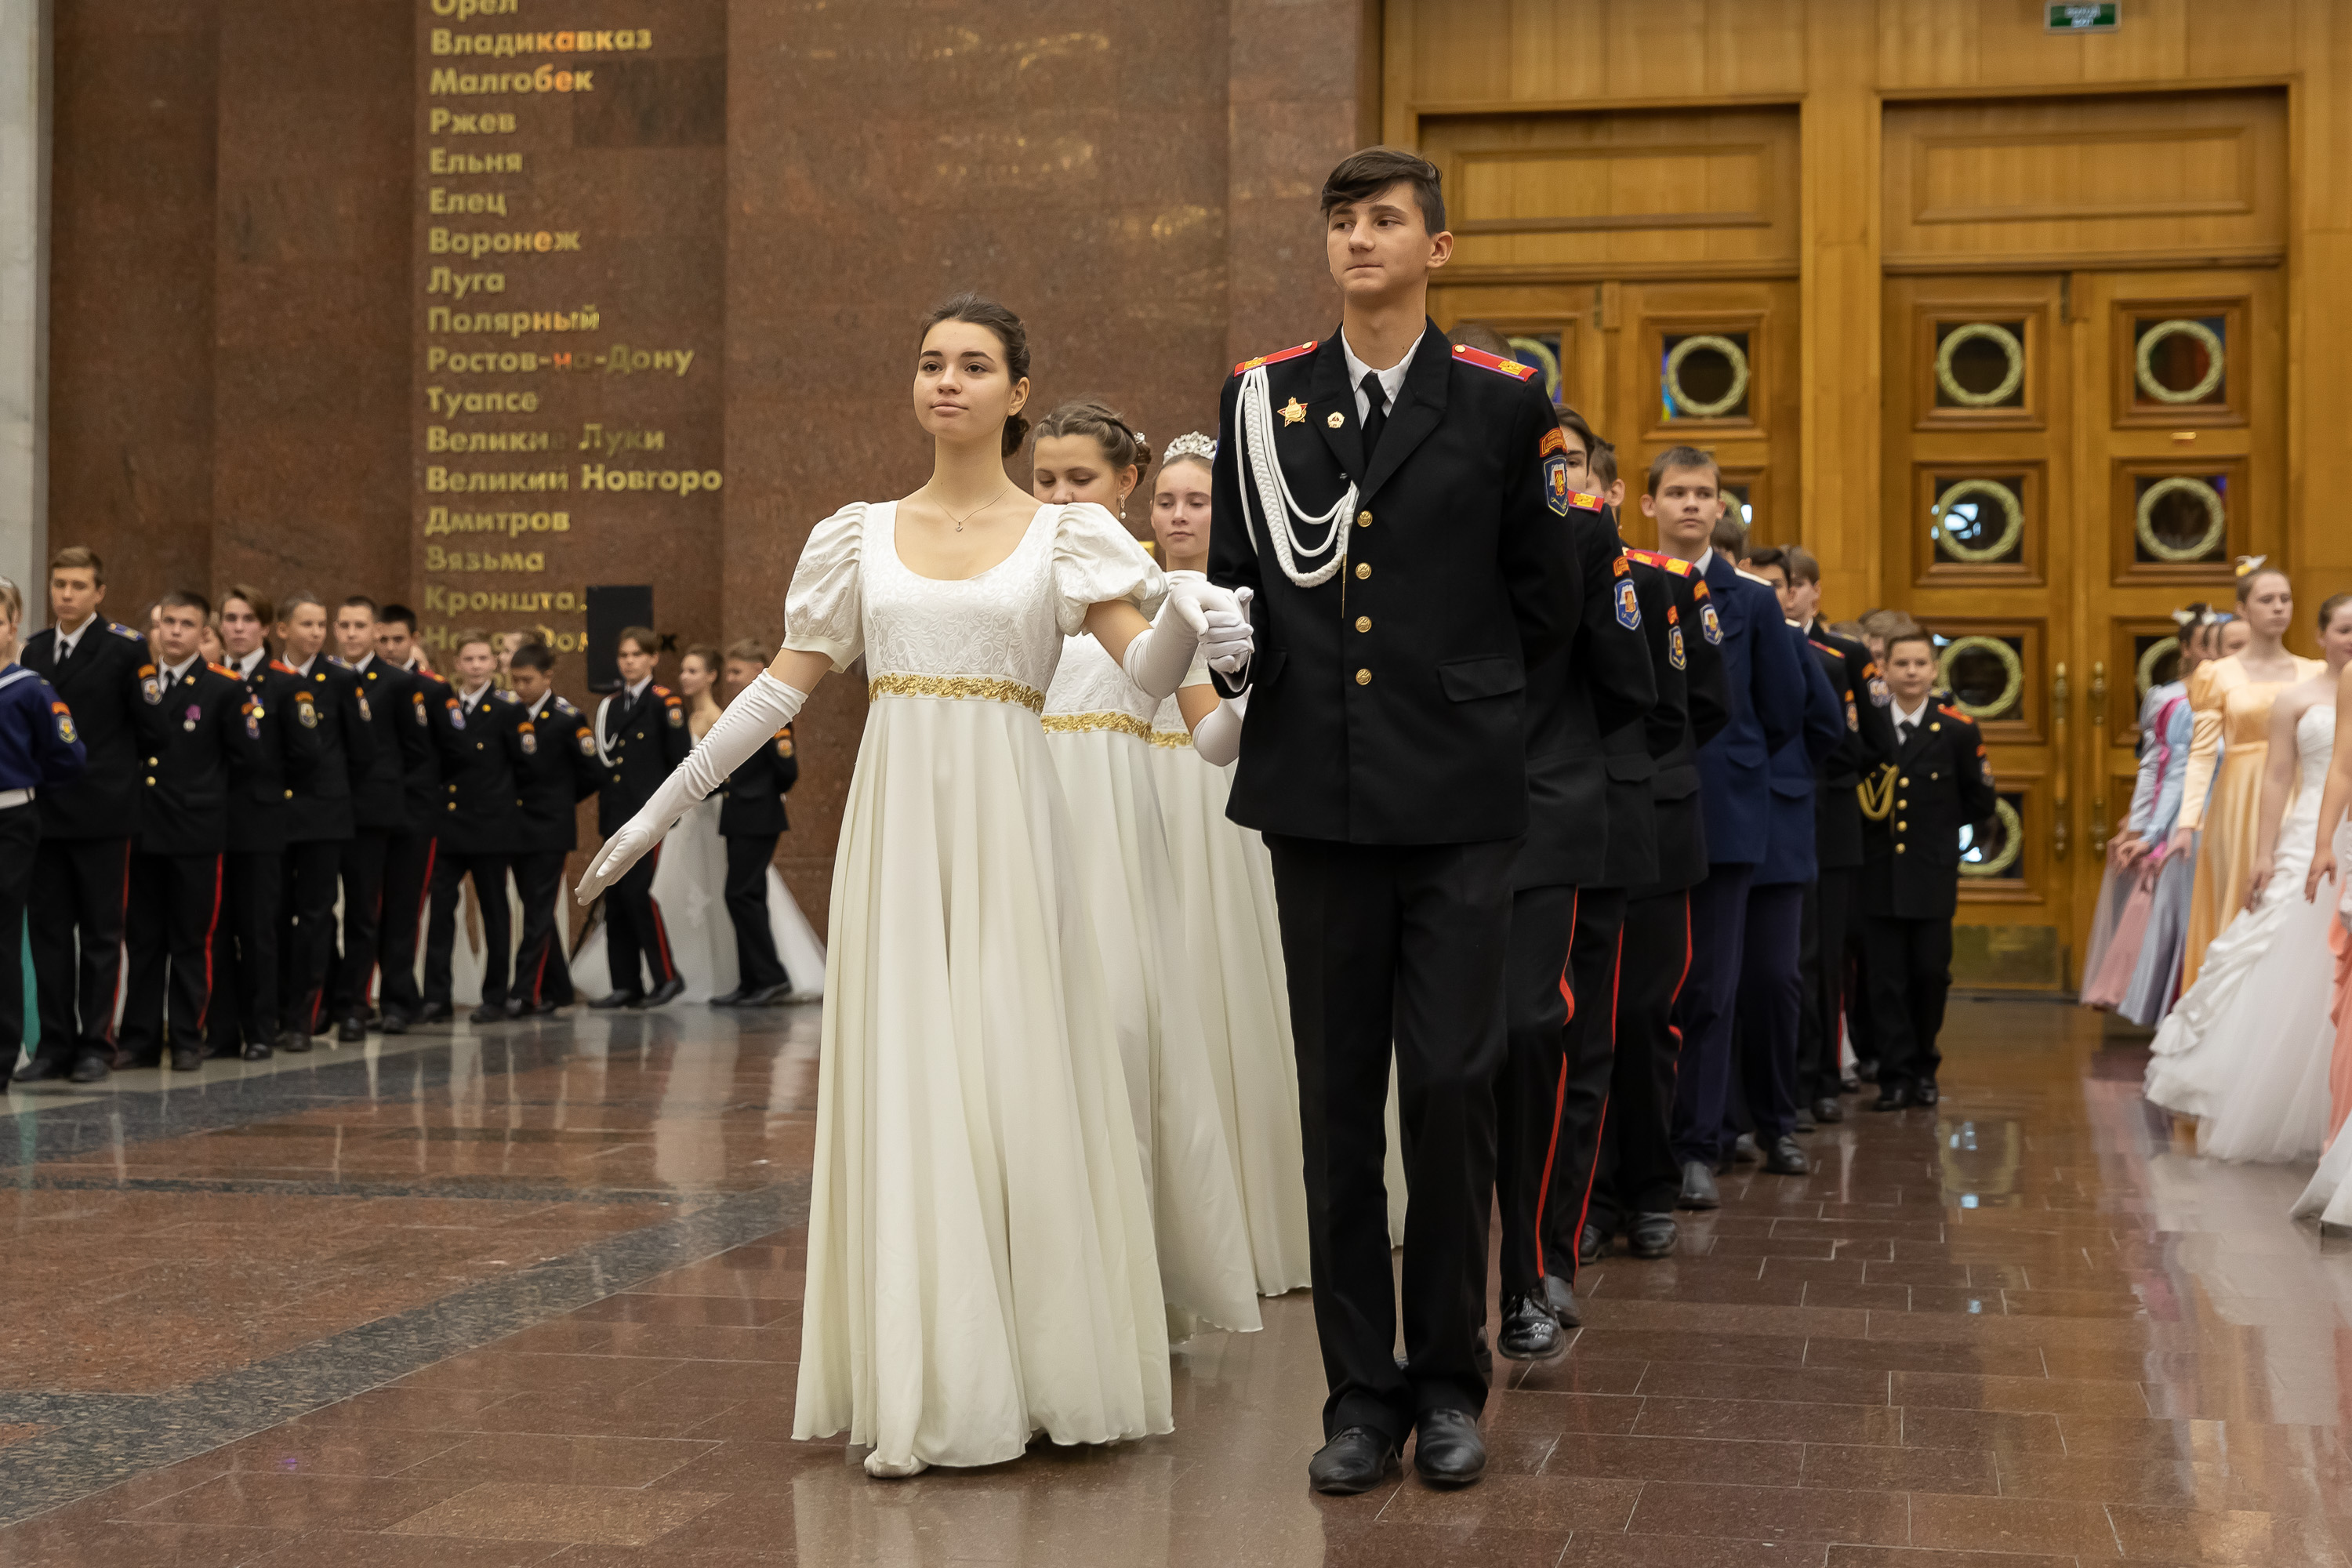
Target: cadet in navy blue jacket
<point>1766,692</point>
<point>38,749</point>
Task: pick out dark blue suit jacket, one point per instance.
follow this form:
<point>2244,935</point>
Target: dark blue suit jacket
<point>1788,852</point>
<point>1767,685</point>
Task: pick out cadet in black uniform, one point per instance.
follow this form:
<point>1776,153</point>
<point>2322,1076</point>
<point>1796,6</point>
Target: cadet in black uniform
<point>409,851</point>
<point>751,819</point>
<point>480,830</point>
<point>321,824</point>
<point>40,749</point>
<point>1910,872</point>
<point>80,875</point>
<point>202,723</point>
<point>261,788</point>
<point>1391,504</point>
<point>379,811</point>
<point>555,770</point>
<point>641,736</point>
<point>1597,684</point>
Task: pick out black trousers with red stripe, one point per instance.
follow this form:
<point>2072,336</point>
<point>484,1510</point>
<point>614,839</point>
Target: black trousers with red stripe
<point>408,858</point>
<point>1588,1082</point>
<point>175,903</point>
<point>362,867</point>
<point>636,941</point>
<point>1540,1009</point>
<point>1638,1173</point>
<point>80,890</point>
<point>451,867</point>
<point>244,952</point>
<point>306,950</point>
<point>542,973</point>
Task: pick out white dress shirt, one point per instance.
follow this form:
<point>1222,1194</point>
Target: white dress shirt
<point>1917,716</point>
<point>1391,379</point>
<point>69,640</point>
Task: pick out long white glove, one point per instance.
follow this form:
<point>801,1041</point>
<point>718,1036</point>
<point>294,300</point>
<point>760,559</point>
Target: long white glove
<point>1227,641</point>
<point>1158,656</point>
<point>1218,737</point>
<point>750,721</point>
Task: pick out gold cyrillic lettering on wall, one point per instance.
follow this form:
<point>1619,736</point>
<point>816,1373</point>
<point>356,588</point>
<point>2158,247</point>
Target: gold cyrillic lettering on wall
<point>452,405</point>
<point>439,560</point>
<point>508,46</point>
<point>593,436</point>
<point>447,80</point>
<point>441,520</point>
<point>675,481</point>
<point>513,324</point>
<point>462,9</point>
<point>480,242</point>
<point>489,362</point>
<point>442,161</point>
<point>445,602</point>
<point>475,204</point>
<point>449,122</point>
<point>441,438</point>
<point>468,481</point>
<point>441,280</point>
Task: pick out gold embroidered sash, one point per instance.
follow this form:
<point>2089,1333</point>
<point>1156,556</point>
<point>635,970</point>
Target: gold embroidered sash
<point>957,686</point>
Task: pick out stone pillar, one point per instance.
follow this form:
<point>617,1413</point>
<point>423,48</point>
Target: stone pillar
<point>23,294</point>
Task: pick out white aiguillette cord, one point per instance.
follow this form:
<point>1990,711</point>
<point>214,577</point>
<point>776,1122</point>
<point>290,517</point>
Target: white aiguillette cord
<point>1262,471</point>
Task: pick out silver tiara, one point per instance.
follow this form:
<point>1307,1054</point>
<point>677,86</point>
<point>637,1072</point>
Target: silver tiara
<point>1192,444</point>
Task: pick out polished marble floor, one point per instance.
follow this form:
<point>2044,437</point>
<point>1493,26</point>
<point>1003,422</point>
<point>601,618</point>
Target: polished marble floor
<point>531,1295</point>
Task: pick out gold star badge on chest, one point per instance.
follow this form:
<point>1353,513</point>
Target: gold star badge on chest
<point>1293,413</point>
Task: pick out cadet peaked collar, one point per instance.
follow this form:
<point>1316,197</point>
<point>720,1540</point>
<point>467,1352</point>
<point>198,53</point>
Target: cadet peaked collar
<point>69,640</point>
<point>1391,379</point>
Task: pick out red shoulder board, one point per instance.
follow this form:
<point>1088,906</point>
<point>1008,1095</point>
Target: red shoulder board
<point>1646,557</point>
<point>1275,358</point>
<point>281,667</point>
<point>220,670</point>
<point>1583,503</point>
<point>1486,361</point>
<point>1951,713</point>
<point>1825,647</point>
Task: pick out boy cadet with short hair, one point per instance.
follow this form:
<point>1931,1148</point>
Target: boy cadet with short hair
<point>481,748</point>
<point>379,811</point>
<point>641,736</point>
<point>751,820</point>
<point>1911,869</point>
<point>424,707</point>
<point>1394,507</point>
<point>555,769</point>
<point>329,700</point>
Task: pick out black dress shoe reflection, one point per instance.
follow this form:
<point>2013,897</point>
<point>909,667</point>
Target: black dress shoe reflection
<point>1827,1109</point>
<point>618,999</point>
<point>1699,1191</point>
<point>1650,1236</point>
<point>352,1031</point>
<point>187,1058</point>
<point>1449,1452</point>
<point>1529,1330</point>
<point>1356,1461</point>
<point>257,1052</point>
<point>489,1013</point>
<point>1891,1097</point>
<point>1560,1297</point>
<point>734,998</point>
<point>661,995</point>
<point>1923,1092</point>
<point>1785,1158</point>
<point>1593,1244</point>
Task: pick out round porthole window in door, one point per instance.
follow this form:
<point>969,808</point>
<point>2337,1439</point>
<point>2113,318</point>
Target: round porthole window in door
<point>2179,360</point>
<point>1986,676</point>
<point>2181,517</point>
<point>1980,365</point>
<point>1705,376</point>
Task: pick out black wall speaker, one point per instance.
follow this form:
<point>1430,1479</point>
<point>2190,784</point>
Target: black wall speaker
<point>610,610</point>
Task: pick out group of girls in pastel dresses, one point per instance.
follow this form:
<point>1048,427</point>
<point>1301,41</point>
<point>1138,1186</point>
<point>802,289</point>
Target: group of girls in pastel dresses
<point>1057,1117</point>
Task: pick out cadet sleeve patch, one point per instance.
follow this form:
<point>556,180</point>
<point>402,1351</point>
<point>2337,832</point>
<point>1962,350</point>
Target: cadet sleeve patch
<point>150,685</point>
<point>529,739</point>
<point>1879,694</point>
<point>587,744</point>
<point>1555,482</point>
<point>1495,362</point>
<point>457,712</point>
<point>306,712</point>
<point>64,715</point>
<point>784,742</point>
<point>1554,440</point>
<point>677,717</point>
<point>366,716</point>
<point>1708,624</point>
<point>1628,604</point>
<point>1675,643</point>
<point>416,705</point>
<point>1248,365</point>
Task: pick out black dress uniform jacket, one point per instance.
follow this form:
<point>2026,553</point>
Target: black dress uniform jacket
<point>202,726</point>
<point>283,754</point>
<point>328,702</point>
<point>478,781</point>
<point>1632,751</point>
<point>1675,739</point>
<point>753,803</point>
<point>101,685</point>
<point>555,769</point>
<point>1911,866</point>
<point>1869,745</point>
<point>432,714</point>
<point>1387,703</point>
<point>1598,683</point>
<point>643,741</point>
<point>378,797</point>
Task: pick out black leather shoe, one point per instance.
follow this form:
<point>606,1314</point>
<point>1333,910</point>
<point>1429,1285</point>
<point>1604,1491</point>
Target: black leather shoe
<point>1786,1159</point>
<point>1560,1297</point>
<point>543,1007</point>
<point>735,998</point>
<point>1592,1246</point>
<point>1865,1070</point>
<point>294,1040</point>
<point>1827,1109</point>
<point>1529,1330</point>
<point>1449,1452</point>
<point>1699,1191</point>
<point>257,1052</point>
<point>436,1013</point>
<point>1891,1097</point>
<point>1356,1461</point>
<point>489,1013</point>
<point>394,1021</point>
<point>1744,1150</point>
<point>352,1031</point>
<point>769,995</point>
<point>1805,1123</point>
<point>41,1069</point>
<point>1650,1236</point>
<point>1848,1084</point>
<point>661,995</point>
<point>1923,1092</point>
<point>618,999</point>
<point>90,1068</point>
<point>187,1058</point>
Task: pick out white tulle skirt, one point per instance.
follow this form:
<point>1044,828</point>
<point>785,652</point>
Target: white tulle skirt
<point>981,1255</point>
<point>690,889</point>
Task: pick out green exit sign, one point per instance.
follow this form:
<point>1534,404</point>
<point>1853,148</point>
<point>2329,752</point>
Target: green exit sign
<point>2071,18</point>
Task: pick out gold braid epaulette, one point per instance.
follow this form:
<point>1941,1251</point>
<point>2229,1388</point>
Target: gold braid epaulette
<point>1119,723</point>
<point>1877,794</point>
<point>986,689</point>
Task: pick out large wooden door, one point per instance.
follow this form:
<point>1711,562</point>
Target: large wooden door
<point>2070,457</point>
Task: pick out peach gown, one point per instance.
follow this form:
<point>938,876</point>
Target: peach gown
<point>2222,793</point>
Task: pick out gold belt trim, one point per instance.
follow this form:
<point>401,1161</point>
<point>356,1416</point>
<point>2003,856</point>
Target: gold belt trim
<point>1121,724</point>
<point>987,690</point>
<point>1172,738</point>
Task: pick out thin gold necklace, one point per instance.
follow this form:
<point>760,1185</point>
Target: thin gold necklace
<point>975,511</point>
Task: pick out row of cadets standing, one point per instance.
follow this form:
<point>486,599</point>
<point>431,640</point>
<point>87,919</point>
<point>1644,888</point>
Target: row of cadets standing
<point>555,768</point>
<point>641,737</point>
<point>480,747</point>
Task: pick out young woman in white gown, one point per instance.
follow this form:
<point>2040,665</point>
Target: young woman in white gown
<point>690,882</point>
<point>2246,1048</point>
<point>981,1262</point>
<point>1098,727</point>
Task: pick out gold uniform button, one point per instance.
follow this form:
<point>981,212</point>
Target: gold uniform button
<point>1902,827</point>
<point>1364,678</point>
<point>1363,520</point>
<point>289,795</point>
<point>1364,570</point>
<point>150,778</point>
<point>1364,623</point>
<point>641,734</point>
<point>1903,805</point>
<point>1906,783</point>
<point>1900,847</point>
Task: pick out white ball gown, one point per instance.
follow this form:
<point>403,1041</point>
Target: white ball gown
<point>2246,1048</point>
<point>981,1258</point>
<point>1097,729</point>
<point>690,891</point>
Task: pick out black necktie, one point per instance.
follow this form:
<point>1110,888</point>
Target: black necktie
<point>1908,727</point>
<point>1376,407</point>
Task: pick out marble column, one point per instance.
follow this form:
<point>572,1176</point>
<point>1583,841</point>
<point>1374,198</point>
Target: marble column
<point>23,292</point>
